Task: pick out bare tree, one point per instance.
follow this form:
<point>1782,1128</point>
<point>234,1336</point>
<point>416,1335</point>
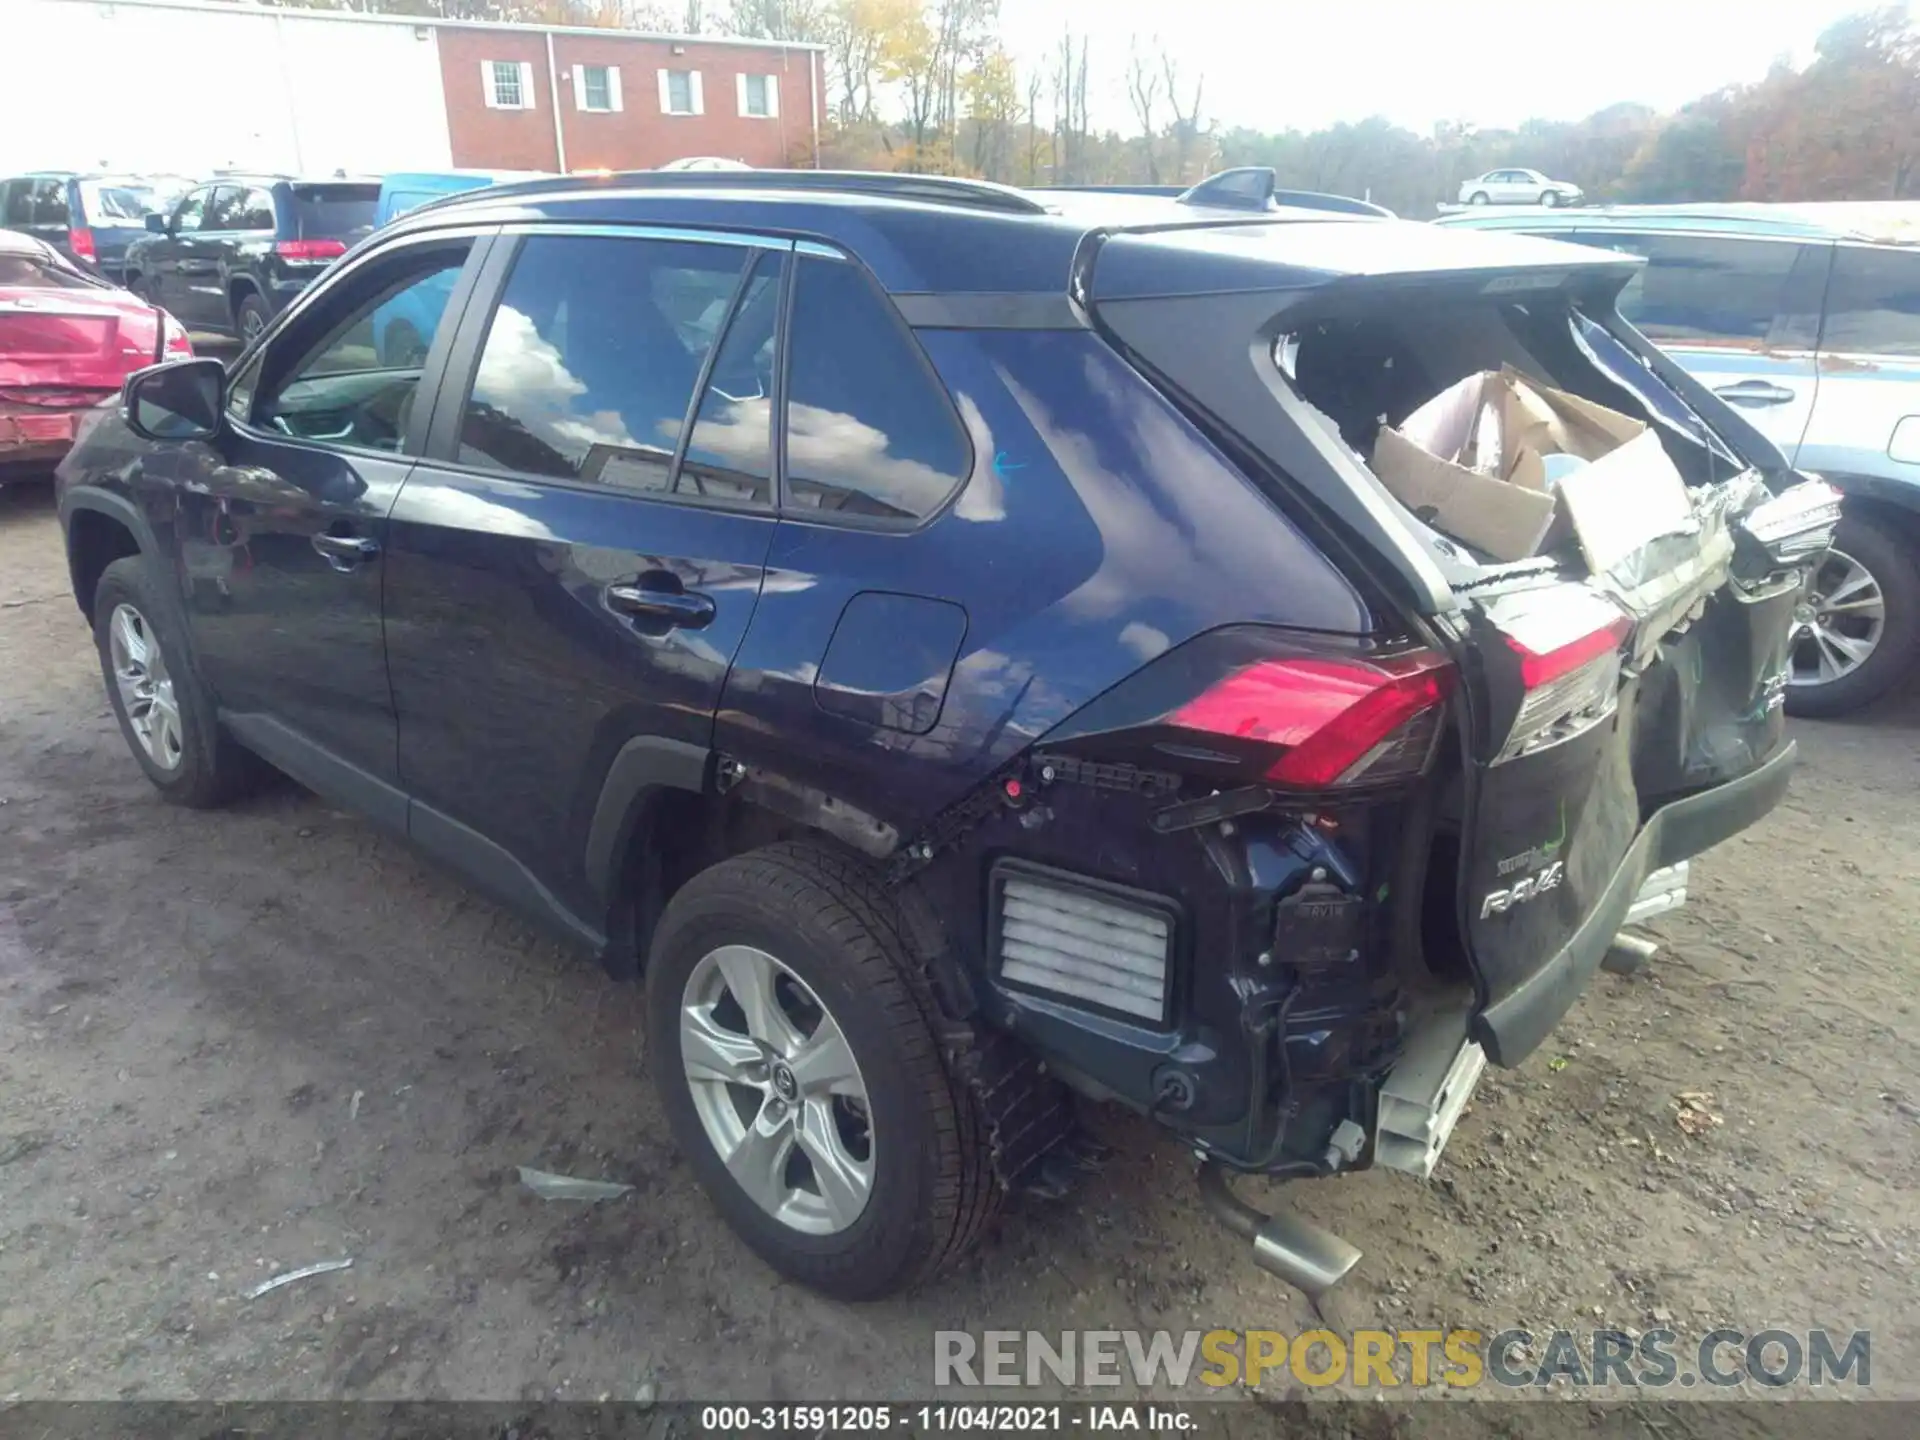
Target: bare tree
<point>1144,88</point>
<point>1187,129</point>
<point>1033,128</point>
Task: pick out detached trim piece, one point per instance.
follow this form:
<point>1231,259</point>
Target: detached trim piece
<point>1511,1028</point>
<point>988,310</point>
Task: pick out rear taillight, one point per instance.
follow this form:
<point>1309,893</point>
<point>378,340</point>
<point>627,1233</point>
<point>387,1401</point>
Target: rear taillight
<point>1570,679</point>
<point>176,341</point>
<point>80,242</point>
<point>1335,721</point>
<point>310,249</point>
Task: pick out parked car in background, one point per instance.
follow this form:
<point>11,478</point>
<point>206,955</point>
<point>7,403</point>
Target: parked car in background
<point>405,190</point>
<point>67,341</point>
<point>1805,318</point>
<point>234,251</point>
<point>91,219</point>
<point>1519,187</point>
<point>402,326</point>
<point>963,665</point>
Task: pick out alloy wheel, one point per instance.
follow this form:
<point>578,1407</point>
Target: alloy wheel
<point>251,325</point>
<point>146,688</point>
<point>777,1090</point>
<point>1838,624</point>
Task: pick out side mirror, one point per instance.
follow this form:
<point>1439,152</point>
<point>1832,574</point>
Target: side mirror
<point>176,401</point>
<point>157,224</point>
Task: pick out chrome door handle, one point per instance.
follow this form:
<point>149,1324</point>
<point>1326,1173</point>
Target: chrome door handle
<point>344,552</point>
<point>1755,392</point>
<point>686,609</point>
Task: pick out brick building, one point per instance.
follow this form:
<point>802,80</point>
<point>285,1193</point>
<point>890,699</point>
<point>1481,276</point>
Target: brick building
<point>521,98</point>
<point>297,90</point>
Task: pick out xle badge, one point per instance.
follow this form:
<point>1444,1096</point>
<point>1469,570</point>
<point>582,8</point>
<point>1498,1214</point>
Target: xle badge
<point>1498,902</point>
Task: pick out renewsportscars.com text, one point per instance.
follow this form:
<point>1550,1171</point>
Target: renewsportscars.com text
<point>1516,1359</point>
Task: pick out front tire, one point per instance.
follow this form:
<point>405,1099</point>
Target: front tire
<point>1550,199</point>
<point>1858,631</point>
<point>166,716</point>
<point>800,1073</point>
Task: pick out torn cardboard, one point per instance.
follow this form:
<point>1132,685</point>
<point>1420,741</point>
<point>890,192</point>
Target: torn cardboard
<point>1471,462</point>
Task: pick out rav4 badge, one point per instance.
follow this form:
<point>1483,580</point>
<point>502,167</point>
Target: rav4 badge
<point>1498,902</point>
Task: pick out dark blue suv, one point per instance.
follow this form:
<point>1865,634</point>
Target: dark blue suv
<point>948,640</point>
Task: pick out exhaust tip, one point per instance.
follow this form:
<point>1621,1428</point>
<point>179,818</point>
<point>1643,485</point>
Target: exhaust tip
<point>1628,954</point>
<point>1307,1256</point>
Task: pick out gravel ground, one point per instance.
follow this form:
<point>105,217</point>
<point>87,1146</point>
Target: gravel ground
<point>238,1043</point>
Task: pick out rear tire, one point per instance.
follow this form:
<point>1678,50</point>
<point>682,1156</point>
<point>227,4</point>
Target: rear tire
<point>250,317</point>
<point>1887,555</point>
<point>165,714</point>
<point>1479,197</point>
<point>834,942</point>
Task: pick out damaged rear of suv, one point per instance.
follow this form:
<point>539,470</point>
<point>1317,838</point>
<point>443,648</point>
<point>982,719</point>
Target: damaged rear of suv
<point>1060,700</point>
<point>1287,891</point>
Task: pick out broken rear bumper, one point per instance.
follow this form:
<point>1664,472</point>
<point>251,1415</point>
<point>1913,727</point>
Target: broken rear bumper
<point>1509,1029</point>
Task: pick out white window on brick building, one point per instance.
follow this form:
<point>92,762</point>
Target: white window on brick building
<point>759,96</point>
<point>596,87</point>
<point>680,93</point>
<point>507,84</point>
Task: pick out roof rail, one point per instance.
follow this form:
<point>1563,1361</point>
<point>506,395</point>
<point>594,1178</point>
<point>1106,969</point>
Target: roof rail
<point>891,185</point>
<point>1254,187</point>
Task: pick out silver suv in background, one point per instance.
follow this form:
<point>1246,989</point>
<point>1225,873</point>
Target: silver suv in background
<point>1805,318</point>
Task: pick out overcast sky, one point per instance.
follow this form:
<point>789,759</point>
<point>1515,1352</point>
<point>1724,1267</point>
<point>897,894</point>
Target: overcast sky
<point>1275,64</point>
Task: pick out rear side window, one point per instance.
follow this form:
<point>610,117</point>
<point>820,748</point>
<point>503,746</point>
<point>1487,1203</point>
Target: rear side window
<point>50,203</point>
<point>119,202</point>
<point>333,212</point>
<point>1743,294</point>
<point>870,432</point>
<point>1873,303</point>
<point>255,211</point>
<point>593,355</point>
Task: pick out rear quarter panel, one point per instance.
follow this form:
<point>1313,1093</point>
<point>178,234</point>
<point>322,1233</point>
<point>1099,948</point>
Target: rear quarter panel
<point>1097,529</point>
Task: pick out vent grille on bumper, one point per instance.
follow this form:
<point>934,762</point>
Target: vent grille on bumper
<point>1083,943</point>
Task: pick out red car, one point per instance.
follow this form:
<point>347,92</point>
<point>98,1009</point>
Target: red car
<point>67,341</point>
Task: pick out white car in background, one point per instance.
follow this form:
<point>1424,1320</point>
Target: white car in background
<point>1519,187</point>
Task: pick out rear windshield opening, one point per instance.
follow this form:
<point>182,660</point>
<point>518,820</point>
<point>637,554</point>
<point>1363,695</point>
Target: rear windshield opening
<point>1365,369</point>
<point>334,212</point>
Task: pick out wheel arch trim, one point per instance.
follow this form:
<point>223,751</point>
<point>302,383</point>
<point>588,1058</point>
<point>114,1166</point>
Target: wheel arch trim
<point>640,769</point>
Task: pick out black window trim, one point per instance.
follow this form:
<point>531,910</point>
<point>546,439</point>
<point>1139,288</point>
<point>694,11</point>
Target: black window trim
<point>442,448</point>
<point>432,373</point>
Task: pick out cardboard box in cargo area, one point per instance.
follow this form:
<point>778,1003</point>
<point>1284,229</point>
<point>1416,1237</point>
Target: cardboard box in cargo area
<point>1473,462</point>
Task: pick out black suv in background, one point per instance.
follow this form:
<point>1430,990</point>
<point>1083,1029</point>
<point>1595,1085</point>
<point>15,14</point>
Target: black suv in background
<point>90,219</point>
<point>949,640</point>
<point>234,251</point>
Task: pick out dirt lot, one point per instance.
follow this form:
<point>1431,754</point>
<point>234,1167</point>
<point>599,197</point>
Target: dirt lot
<point>243,1042</point>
